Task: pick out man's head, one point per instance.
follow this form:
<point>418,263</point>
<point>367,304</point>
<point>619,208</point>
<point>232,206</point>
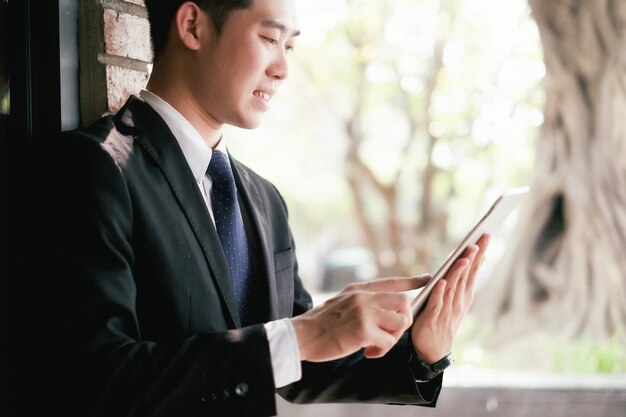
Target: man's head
<point>161,14</point>
<point>226,72</point>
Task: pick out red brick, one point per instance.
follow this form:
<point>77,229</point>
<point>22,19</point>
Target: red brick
<point>127,35</point>
<point>122,82</point>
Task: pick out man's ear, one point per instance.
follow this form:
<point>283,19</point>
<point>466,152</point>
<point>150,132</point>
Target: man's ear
<point>191,22</point>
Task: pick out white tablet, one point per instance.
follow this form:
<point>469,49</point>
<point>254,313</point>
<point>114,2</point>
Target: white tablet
<point>499,210</point>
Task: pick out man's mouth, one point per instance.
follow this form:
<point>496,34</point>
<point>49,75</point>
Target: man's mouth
<point>265,96</point>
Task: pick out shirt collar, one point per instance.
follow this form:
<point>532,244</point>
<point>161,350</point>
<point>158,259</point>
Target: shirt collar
<point>196,151</point>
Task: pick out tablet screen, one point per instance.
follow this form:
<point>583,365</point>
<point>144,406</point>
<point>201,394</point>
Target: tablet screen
<point>488,223</point>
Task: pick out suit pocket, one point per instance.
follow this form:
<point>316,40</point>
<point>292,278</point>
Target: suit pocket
<point>283,270</point>
<point>283,260</point>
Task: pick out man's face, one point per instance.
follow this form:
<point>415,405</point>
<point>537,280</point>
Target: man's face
<point>240,72</point>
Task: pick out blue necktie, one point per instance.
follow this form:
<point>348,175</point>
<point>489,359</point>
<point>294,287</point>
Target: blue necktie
<point>230,230</point>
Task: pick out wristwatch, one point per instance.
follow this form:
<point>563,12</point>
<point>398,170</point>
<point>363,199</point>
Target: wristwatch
<point>423,372</point>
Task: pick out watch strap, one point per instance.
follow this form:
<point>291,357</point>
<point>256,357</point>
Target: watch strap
<point>423,371</point>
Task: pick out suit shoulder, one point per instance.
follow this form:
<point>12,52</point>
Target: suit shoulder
<point>107,134</point>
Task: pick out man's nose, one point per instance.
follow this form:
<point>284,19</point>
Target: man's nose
<point>279,69</point>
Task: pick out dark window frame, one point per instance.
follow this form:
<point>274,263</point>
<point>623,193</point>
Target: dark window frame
<point>42,64</point>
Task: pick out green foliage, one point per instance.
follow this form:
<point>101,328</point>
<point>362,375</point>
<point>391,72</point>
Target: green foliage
<point>590,355</point>
<point>487,99</point>
<point>475,347</point>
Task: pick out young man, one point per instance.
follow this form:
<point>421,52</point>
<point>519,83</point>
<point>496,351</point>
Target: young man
<point>177,294</point>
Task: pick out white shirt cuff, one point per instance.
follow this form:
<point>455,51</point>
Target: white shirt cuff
<point>284,352</point>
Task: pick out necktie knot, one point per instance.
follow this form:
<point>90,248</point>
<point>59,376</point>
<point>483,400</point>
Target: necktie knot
<point>219,168</point>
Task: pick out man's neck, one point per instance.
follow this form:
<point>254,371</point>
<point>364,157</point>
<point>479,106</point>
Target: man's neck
<point>180,99</point>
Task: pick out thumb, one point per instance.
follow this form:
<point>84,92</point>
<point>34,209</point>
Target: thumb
<point>393,284</point>
<point>422,280</point>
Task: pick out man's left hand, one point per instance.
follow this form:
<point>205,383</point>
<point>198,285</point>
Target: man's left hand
<point>435,328</point>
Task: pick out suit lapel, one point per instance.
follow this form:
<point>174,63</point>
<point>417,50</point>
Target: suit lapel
<point>161,145</point>
<point>250,194</point>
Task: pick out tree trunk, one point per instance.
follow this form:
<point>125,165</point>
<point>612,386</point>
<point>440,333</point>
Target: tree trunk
<point>565,266</point>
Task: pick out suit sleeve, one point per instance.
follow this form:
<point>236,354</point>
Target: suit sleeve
<point>86,350</point>
<point>386,380</point>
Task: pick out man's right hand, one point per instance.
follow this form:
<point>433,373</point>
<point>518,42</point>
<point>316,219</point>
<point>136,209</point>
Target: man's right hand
<point>371,315</point>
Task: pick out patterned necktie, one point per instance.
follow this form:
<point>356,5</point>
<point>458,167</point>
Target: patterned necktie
<point>230,230</point>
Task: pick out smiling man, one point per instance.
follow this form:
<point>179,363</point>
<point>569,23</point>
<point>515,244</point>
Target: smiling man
<point>178,291</point>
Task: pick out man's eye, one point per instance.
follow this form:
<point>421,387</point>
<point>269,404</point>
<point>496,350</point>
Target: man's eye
<point>289,48</point>
<point>270,40</point>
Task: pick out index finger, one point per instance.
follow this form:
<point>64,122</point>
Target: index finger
<point>483,242</point>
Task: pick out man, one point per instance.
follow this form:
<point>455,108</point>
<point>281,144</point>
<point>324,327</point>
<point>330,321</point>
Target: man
<point>160,302</point>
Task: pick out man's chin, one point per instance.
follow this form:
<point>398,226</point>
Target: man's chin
<point>249,122</point>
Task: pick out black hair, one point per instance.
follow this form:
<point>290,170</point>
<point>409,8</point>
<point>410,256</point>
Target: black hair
<point>161,14</point>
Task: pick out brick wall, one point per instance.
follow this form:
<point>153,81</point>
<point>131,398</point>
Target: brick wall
<point>114,44</point>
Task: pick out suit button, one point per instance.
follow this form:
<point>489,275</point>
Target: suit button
<point>241,389</point>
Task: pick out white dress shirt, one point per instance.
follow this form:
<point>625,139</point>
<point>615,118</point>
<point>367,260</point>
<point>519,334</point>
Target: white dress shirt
<point>281,335</point>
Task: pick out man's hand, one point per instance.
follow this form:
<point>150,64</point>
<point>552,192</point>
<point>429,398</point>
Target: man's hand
<point>435,328</point>
<point>371,315</point>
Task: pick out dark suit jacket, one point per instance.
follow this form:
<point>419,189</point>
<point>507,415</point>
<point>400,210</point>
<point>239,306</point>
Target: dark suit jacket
<point>134,313</point>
